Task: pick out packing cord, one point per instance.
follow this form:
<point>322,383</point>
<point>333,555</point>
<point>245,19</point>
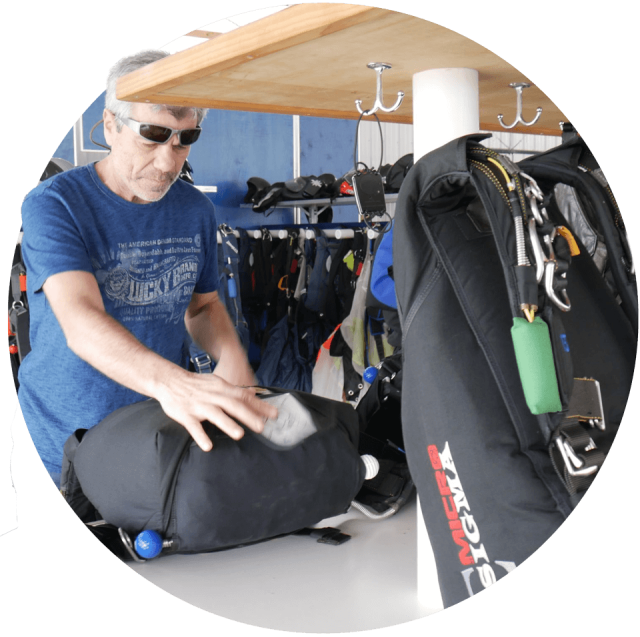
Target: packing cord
<point>356,163</point>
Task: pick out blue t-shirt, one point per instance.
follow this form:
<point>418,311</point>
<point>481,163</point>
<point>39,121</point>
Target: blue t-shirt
<point>148,260</point>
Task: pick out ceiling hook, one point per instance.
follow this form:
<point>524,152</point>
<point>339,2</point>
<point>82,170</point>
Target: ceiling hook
<point>379,67</point>
<point>519,86</point>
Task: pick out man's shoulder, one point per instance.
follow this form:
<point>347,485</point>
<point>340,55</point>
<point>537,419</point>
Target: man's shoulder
<point>62,182</point>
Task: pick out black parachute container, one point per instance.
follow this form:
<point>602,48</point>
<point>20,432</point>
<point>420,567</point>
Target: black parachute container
<point>503,433</point>
<point>138,470</point>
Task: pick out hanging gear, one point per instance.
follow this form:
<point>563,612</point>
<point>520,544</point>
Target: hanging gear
<point>186,173</point>
<point>19,341</point>
<point>368,188</point>
<point>228,261</point>
<point>497,337</point>
<point>393,175</point>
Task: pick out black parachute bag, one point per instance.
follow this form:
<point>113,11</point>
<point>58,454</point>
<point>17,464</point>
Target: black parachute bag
<point>138,470</point>
<point>499,467</point>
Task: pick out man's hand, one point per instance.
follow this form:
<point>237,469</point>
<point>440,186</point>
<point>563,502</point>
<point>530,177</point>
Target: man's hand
<point>191,399</point>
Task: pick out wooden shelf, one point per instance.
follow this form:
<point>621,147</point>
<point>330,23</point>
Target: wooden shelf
<point>311,59</point>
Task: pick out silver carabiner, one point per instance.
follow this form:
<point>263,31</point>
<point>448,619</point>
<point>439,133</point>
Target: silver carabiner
<point>549,271</point>
<point>540,217</point>
<point>533,184</point>
<point>545,265</point>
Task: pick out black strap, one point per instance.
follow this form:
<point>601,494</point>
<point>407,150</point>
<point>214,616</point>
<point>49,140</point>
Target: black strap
<point>376,329</point>
<point>19,308</point>
<point>326,535</point>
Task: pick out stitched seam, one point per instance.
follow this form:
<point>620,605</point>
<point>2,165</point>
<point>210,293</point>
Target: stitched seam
<point>417,304</point>
<point>617,218</point>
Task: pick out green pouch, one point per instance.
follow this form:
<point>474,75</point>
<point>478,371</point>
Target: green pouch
<point>532,345</point>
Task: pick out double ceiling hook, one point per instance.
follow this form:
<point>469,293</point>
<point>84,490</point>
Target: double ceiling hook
<point>379,67</point>
<point>519,86</point>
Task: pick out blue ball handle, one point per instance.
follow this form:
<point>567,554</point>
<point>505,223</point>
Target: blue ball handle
<point>148,544</point>
<point>370,374</point>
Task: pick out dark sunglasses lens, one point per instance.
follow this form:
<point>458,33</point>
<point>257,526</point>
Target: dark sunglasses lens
<point>158,134</point>
<point>188,137</point>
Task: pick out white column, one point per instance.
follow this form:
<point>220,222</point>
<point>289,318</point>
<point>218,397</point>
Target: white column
<point>297,211</point>
<point>445,107</point>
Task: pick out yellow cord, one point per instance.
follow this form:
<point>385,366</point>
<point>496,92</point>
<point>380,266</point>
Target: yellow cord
<point>504,172</point>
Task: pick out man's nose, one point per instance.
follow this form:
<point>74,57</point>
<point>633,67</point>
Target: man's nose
<point>166,155</point>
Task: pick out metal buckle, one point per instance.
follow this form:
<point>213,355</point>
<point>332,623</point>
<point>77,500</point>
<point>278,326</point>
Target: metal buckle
<point>202,362</point>
<point>573,463</point>
<point>225,229</point>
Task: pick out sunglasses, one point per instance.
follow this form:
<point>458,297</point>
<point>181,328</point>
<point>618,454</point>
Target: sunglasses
<point>162,134</point>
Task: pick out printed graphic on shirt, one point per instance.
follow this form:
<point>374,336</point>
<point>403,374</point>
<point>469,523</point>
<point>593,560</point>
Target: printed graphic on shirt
<point>151,280</point>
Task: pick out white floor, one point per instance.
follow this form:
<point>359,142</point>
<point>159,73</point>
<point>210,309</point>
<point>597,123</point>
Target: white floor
<point>295,584</point>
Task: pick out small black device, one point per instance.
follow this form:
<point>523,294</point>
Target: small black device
<point>369,193</point>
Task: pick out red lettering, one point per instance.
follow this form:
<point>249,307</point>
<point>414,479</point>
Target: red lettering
<point>451,513</point>
<point>463,555</point>
<point>455,524</point>
<point>441,479</point>
<point>434,456</point>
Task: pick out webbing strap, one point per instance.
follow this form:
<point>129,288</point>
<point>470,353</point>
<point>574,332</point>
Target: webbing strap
<point>19,312</point>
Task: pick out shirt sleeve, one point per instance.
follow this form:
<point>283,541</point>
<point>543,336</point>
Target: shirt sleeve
<point>51,241</point>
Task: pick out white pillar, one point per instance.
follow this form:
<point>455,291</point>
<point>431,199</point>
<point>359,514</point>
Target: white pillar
<point>446,106</point>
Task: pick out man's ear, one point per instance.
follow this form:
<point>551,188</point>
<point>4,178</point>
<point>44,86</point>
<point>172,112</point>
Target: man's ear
<point>110,128</point>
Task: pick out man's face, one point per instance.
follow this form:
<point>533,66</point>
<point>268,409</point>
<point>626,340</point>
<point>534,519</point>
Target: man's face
<point>142,171</point>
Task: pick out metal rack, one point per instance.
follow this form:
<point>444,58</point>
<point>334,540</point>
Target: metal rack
<point>316,206</point>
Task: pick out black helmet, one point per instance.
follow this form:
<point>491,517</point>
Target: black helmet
<point>256,188</point>
<point>266,199</point>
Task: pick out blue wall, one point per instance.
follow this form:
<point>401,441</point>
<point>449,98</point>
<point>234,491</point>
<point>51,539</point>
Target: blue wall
<point>235,146</point>
<point>65,150</point>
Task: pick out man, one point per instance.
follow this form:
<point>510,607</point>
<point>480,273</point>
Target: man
<point>121,256</point>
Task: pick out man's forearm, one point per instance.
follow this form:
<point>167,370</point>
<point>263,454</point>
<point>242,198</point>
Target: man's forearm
<point>108,346</point>
<point>211,328</point>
